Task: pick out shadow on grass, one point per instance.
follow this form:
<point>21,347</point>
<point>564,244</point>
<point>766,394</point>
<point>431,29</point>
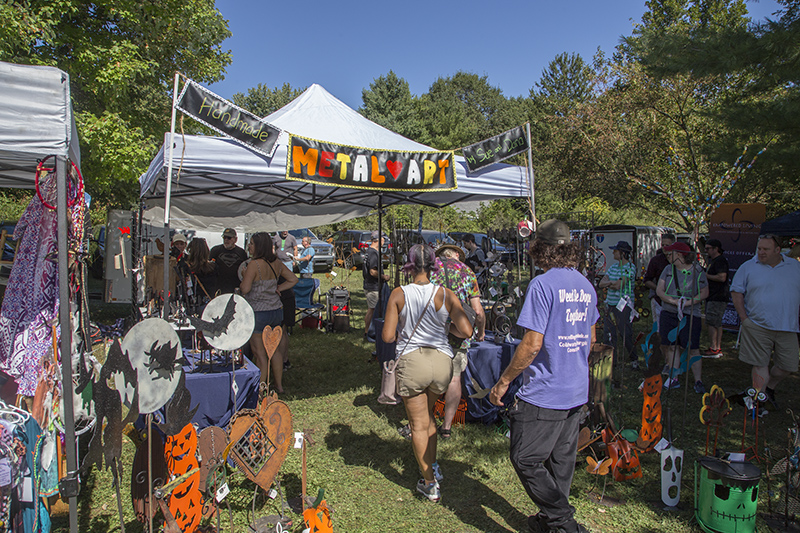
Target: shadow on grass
<point>464,495</point>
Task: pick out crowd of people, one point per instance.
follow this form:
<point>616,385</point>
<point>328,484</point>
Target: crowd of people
<point>433,318</point>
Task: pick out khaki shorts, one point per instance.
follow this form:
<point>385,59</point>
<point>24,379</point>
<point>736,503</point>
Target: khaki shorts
<point>714,312</point>
<point>372,299</point>
<point>423,369</point>
<point>758,344</point>
<point>459,362</point>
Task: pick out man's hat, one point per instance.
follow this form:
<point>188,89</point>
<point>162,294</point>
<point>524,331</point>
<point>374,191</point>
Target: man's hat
<point>553,232</point>
<point>716,243</point>
<point>375,235</point>
<point>622,246</point>
<point>681,247</point>
<point>229,232</point>
<point>179,237</point>
<point>453,247</point>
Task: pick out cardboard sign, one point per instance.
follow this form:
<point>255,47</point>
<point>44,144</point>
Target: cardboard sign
<point>340,165</point>
<point>496,149</point>
<point>228,119</point>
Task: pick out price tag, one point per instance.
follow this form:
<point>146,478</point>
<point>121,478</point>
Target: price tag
<point>518,292</point>
<point>222,492</point>
<point>493,292</point>
<point>298,439</point>
<point>272,494</point>
<point>663,444</point>
<point>235,387</point>
<point>621,304</point>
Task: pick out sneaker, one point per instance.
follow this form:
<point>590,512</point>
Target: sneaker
<point>699,388</point>
<point>431,491</point>
<point>671,383</point>
<point>437,472</point>
<point>761,413</point>
<point>405,431</point>
<point>712,354</point>
<point>537,524</point>
<point>286,365</point>
<point>771,397</point>
<point>634,365</point>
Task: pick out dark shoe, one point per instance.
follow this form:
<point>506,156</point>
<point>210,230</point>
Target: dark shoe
<point>699,388</point>
<point>771,397</point>
<point>405,431</point>
<point>536,523</point>
<point>444,433</point>
<point>286,365</point>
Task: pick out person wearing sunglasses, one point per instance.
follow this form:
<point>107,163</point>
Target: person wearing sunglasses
<point>228,258</point>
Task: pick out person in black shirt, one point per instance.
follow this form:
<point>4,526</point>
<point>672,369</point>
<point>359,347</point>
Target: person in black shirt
<point>718,296</point>
<point>373,273</point>
<point>476,257</point>
<point>228,257</point>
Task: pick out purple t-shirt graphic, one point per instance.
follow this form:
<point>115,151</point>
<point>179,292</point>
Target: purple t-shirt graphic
<point>560,304</point>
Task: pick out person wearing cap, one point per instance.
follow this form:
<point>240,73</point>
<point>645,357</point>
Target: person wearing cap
<point>286,247</point>
<point>228,258</point>
<point>458,277</point>
<point>682,287</point>
<point>718,296</point>
<point>766,294</point>
<point>373,274</point>
<point>619,281</point>
<point>559,314</point>
<point>178,249</point>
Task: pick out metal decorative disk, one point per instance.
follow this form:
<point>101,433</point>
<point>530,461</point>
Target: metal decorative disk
<point>154,350</point>
<point>227,322</point>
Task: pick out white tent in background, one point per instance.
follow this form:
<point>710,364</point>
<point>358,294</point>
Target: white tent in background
<point>223,184</point>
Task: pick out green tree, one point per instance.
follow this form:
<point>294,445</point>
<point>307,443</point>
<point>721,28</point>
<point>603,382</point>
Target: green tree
<point>460,110</point>
<point>121,59</point>
<point>263,101</point>
<point>389,102</point>
<point>566,81</point>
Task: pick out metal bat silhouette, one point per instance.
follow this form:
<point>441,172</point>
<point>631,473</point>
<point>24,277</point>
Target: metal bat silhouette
<point>163,358</point>
<point>219,325</point>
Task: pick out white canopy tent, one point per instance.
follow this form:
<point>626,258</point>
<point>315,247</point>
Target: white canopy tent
<point>36,121</point>
<point>223,184</point>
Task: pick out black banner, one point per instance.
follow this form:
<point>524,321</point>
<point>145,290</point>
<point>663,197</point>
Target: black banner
<point>496,149</point>
<point>339,165</point>
<point>228,119</point>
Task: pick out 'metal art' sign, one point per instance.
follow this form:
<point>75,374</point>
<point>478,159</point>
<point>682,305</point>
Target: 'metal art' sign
<point>496,149</point>
<point>228,119</point>
<point>339,165</point>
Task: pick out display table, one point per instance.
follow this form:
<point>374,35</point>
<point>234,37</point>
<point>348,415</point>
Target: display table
<point>486,362</point>
<point>211,389</point>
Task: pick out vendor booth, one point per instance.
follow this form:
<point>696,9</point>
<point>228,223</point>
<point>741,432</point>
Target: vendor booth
<point>37,124</point>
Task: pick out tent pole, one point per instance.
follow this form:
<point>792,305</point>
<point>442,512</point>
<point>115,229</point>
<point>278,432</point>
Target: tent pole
<point>167,243</point>
<point>62,180</point>
<point>530,174</point>
<point>380,251</point>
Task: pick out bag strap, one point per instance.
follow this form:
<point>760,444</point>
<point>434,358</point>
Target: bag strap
<point>435,288</point>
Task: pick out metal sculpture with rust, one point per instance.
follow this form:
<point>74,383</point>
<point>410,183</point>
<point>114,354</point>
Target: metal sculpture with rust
<point>260,439</point>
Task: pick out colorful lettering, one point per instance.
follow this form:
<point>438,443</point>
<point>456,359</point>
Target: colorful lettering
<point>304,159</point>
<point>344,159</point>
<point>325,164</point>
<point>374,176</point>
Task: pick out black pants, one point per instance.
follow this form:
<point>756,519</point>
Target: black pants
<point>620,324</point>
<point>544,443</point>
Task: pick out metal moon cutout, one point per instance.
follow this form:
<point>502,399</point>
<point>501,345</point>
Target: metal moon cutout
<point>154,350</point>
<point>227,322</point>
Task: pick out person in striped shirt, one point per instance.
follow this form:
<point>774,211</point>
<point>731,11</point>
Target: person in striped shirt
<point>619,280</point>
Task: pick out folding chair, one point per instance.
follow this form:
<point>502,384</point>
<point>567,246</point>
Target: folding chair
<point>304,299</point>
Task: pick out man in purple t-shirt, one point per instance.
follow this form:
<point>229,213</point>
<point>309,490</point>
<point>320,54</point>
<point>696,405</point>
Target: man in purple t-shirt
<point>559,314</point>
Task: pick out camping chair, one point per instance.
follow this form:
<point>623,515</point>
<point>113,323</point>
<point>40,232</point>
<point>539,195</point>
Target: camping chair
<point>304,299</point>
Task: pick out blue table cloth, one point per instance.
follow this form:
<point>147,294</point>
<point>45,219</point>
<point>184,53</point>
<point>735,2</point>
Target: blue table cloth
<point>486,362</point>
<point>213,391</point>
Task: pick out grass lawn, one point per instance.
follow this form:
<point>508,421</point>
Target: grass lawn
<point>369,473</point>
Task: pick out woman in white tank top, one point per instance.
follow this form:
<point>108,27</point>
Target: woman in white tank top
<point>416,317</point>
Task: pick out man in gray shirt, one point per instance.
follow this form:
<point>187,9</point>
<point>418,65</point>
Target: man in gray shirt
<point>766,294</point>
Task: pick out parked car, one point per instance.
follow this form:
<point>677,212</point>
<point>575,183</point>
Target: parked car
<point>506,252</point>
<point>432,238</point>
<point>323,252</point>
<point>351,245</point>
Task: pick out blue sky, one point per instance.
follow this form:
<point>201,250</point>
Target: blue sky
<point>345,45</point>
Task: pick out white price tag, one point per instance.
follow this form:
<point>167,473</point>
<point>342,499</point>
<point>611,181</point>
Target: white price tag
<point>222,492</point>
<point>621,304</point>
<point>272,494</point>
<point>493,292</point>
<point>663,444</point>
<point>298,439</point>
<point>518,292</point>
<point>235,387</point>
